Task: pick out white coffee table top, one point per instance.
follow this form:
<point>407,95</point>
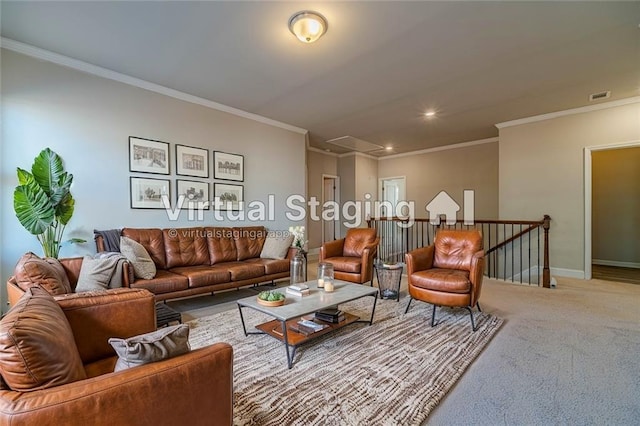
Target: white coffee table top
<point>295,306</point>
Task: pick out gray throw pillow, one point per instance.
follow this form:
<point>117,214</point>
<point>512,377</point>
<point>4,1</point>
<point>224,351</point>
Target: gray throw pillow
<point>137,255</point>
<point>95,274</point>
<point>161,344</point>
<point>276,247</point>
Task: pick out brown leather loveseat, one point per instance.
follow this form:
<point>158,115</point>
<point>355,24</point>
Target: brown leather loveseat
<point>195,388</point>
<point>201,260</point>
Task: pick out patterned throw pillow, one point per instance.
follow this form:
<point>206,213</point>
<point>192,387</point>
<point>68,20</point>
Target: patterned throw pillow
<point>137,255</point>
<point>161,344</point>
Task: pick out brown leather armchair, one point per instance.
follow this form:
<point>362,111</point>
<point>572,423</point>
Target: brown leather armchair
<point>448,272</point>
<point>352,256</point>
<point>195,388</point>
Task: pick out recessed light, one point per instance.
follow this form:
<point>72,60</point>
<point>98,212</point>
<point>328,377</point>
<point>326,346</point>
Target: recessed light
<point>388,148</point>
<point>430,113</point>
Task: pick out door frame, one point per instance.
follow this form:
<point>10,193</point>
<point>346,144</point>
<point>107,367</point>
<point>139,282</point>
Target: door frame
<point>381,185</point>
<point>588,202</point>
<point>337,200</point>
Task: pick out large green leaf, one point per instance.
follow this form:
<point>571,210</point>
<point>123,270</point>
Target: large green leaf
<point>24,177</point>
<point>61,188</point>
<point>47,169</point>
<point>64,209</point>
<point>32,207</point>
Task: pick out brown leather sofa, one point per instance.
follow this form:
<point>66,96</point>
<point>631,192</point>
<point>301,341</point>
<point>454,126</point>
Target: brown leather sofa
<point>195,388</point>
<point>193,261</point>
<point>352,256</point>
<point>449,272</point>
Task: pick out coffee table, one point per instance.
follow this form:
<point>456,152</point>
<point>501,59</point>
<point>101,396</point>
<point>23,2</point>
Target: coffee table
<point>295,307</point>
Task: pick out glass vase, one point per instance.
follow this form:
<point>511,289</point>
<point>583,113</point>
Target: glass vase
<point>298,268</point>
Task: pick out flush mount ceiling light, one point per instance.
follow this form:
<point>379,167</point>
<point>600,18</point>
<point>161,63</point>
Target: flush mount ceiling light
<point>307,26</point>
<point>430,114</point>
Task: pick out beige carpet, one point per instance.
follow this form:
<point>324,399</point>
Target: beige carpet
<point>393,372</point>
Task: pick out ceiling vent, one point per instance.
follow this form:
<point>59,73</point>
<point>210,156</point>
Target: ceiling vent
<point>355,144</point>
<point>600,95</point>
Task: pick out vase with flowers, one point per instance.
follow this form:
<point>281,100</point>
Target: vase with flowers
<point>298,266</point>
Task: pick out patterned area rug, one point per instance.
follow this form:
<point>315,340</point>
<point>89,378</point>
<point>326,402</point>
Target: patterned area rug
<point>393,372</point>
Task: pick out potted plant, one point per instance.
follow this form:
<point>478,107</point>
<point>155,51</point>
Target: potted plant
<point>43,203</point>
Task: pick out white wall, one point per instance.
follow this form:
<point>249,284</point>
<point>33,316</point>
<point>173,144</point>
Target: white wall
<point>542,172</point>
<point>88,119</point>
<point>318,164</point>
<point>453,170</point>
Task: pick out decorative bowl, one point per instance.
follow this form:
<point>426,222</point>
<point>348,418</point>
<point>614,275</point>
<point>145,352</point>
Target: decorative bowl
<point>271,303</point>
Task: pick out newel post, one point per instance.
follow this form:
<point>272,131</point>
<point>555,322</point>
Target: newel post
<point>546,272</point>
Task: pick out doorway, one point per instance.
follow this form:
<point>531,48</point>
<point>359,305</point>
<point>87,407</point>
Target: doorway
<point>330,193</point>
<point>612,211</point>
<point>393,190</point>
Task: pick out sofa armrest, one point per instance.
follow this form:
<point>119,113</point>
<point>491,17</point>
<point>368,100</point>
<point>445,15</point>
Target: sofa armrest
<point>331,249</point>
<point>96,316</point>
<point>368,255</point>
<point>419,260</point>
<point>475,275</point>
<point>192,389</point>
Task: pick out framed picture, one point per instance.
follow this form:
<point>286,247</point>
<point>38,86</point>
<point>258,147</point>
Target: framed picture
<point>228,166</point>
<point>230,195</point>
<point>148,156</point>
<point>147,193</point>
<point>192,161</point>
<point>194,193</point>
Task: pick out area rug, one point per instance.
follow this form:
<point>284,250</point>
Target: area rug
<point>393,372</point>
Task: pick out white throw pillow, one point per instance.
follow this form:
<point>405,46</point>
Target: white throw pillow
<point>137,255</point>
<point>276,247</point>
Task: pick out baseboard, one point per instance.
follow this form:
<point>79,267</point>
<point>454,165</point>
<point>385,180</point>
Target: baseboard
<point>568,273</point>
<point>602,262</point>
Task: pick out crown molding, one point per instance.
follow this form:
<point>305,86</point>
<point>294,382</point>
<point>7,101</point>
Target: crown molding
<point>45,55</point>
<point>552,115</point>
<point>357,154</point>
<point>320,151</point>
<point>440,148</point>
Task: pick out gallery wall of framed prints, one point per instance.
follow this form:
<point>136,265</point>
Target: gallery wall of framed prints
<point>149,156</point>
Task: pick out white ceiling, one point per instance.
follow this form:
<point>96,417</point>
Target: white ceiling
<point>375,72</point>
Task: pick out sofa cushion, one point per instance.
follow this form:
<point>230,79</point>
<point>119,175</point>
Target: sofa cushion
<point>152,240</point>
<point>138,257</point>
<point>447,280</point>
<point>243,270</point>
<point>47,273</point>
<point>222,247</point>
<point>200,276</point>
<point>249,241</point>
<point>185,247</point>
<point>161,344</point>
<point>357,239</point>
<point>272,266</point>
<point>163,282</point>
<point>37,348</point>
<point>345,264</point>
<point>276,246</point>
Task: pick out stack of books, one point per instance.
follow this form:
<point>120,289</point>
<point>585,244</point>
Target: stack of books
<point>307,327</point>
<point>299,289</point>
<point>330,315</point>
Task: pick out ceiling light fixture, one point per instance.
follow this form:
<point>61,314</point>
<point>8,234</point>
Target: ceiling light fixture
<point>307,26</point>
<point>430,113</point>
<point>389,148</point>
